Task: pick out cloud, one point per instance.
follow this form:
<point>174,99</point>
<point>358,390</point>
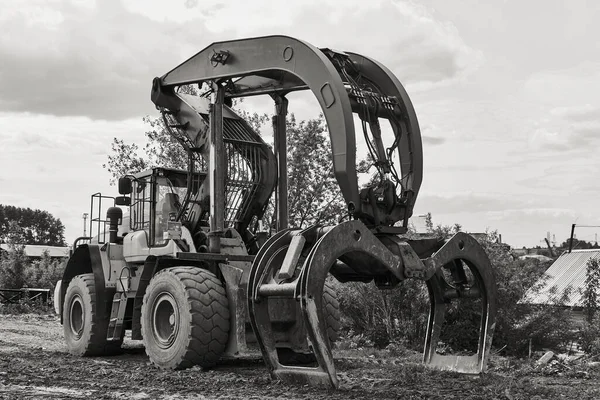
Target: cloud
<point>532,214</point>
<point>420,49</point>
<point>560,182</point>
<point>191,3</point>
<point>433,140</point>
<point>468,202</point>
<point>533,224</point>
<point>98,60</point>
<point>59,162</point>
<point>86,61</point>
<point>568,128</point>
<point>544,139</point>
<point>521,220</point>
<point>580,83</point>
<point>570,97</point>
<point>586,112</point>
<point>28,133</point>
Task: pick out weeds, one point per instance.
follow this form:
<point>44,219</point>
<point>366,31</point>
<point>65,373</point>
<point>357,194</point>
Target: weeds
<point>25,306</point>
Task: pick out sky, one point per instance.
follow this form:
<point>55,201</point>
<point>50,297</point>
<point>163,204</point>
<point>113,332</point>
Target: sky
<point>507,94</point>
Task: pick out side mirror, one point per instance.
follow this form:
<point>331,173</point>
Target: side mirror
<point>125,186</point>
<point>122,201</point>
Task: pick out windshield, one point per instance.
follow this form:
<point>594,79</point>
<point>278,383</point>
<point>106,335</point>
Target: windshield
<point>169,195</point>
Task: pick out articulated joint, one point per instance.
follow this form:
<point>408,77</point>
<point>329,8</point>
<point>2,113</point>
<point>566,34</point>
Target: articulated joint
<point>414,268</point>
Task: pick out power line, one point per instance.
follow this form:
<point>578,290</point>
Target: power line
<point>573,233</point>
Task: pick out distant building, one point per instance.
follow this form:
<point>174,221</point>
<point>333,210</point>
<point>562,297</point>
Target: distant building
<point>419,223</point>
<point>36,251</point>
<point>539,257</point>
<point>564,279</point>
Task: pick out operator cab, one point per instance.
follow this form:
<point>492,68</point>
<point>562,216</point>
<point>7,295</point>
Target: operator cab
<point>157,195</point>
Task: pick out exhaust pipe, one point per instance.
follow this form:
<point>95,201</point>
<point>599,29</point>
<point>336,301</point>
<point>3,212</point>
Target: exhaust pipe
<point>114,215</point>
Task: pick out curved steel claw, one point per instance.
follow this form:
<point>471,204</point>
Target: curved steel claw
<point>278,272</point>
<point>460,248</point>
<point>282,254</point>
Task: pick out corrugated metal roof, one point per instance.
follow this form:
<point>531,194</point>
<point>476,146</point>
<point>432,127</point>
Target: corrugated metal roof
<point>568,271</point>
<point>36,250</point>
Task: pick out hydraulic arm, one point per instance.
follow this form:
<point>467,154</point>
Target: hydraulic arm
<point>343,83</point>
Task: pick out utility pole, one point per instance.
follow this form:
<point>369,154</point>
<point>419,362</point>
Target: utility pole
<point>571,239</point>
<point>85,216</point>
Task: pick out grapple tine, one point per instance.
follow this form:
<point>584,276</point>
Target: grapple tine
<point>464,248</point>
<point>259,311</point>
<point>348,237</point>
<point>370,259</point>
<point>311,295</point>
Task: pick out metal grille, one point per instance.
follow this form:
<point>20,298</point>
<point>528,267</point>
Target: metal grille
<point>243,170</point>
<point>245,159</point>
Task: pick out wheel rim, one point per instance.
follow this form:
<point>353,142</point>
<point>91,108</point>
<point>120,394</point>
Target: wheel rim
<point>76,316</point>
<point>165,320</point>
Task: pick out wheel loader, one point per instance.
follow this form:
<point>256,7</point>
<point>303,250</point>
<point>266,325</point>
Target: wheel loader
<point>190,269</point>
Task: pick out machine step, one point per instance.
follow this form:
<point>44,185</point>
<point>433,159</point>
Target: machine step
<point>117,316</point>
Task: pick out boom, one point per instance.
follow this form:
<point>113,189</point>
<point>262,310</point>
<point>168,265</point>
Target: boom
<point>343,83</point>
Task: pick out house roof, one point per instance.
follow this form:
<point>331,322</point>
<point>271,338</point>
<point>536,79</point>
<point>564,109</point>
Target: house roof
<point>37,251</point>
<point>568,272</point>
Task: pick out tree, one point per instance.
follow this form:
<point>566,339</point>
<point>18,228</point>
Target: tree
<point>313,193</point>
<point>591,288</point>
<point>402,311</point>
<point>161,148</point>
<point>578,244</point>
<point>391,315</point>
<point>44,272</point>
<point>36,226</point>
<point>13,263</point>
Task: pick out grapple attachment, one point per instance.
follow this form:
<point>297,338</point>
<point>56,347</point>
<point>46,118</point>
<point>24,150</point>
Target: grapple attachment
<point>463,257</point>
<point>295,264</point>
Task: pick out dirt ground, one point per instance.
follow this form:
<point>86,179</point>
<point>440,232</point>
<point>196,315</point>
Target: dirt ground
<point>34,364</point>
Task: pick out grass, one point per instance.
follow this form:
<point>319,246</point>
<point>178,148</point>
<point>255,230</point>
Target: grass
<point>26,307</point>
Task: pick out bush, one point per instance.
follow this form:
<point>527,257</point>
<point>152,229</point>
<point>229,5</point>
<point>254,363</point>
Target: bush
<point>547,326</point>
<point>385,316</point>
<point>589,337</point>
<point>25,306</point>
<point>379,335</point>
<point>17,271</point>
<point>401,313</point>
<point>44,273</point>
<point>353,341</point>
<point>397,349</point>
<point>13,264</point>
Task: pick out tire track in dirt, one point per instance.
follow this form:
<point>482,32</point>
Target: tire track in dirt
<point>34,364</point>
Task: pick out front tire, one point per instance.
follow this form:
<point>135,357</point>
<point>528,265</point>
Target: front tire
<point>84,324</point>
<point>185,318</point>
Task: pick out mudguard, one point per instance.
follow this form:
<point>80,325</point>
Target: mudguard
<point>86,259</point>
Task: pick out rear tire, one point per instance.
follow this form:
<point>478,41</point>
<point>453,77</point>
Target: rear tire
<point>185,318</point>
<point>332,313</point>
<point>84,325</point>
